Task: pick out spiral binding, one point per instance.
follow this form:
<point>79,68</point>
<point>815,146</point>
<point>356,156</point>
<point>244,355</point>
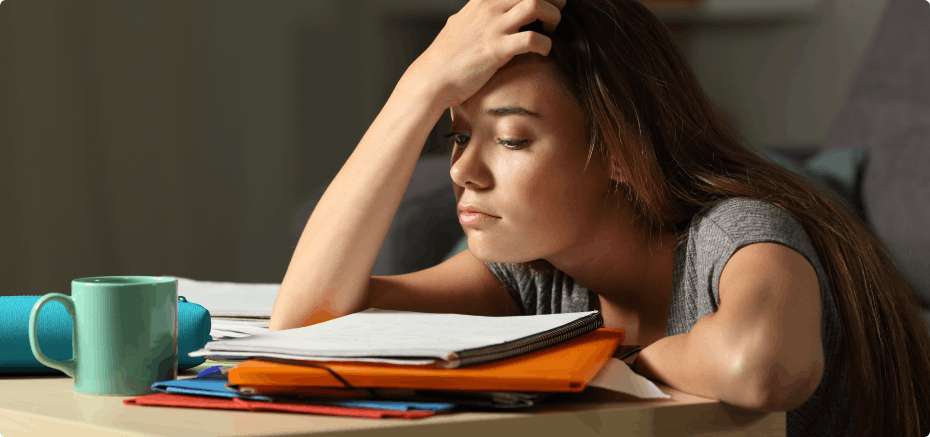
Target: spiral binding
<point>518,347</point>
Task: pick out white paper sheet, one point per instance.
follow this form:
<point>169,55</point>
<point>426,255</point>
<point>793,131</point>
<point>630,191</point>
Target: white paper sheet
<point>226,328</point>
<point>248,326</point>
<point>617,376</point>
<point>391,334</point>
<point>230,299</point>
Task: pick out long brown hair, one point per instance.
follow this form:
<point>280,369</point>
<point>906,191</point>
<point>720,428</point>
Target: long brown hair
<point>676,153</point>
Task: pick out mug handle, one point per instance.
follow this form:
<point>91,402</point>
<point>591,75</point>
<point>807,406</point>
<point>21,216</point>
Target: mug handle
<point>67,366</point>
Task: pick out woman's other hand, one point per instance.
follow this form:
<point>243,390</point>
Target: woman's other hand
<point>477,41</point>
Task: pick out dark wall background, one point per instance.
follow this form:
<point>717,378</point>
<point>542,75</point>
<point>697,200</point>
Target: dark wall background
<point>178,137</point>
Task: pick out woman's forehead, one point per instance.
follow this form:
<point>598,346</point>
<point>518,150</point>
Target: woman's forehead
<point>525,82</point>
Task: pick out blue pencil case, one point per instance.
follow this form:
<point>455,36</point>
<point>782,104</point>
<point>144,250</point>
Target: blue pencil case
<point>55,327</point>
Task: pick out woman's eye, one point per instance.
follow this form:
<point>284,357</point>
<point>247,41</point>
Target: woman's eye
<point>513,144</point>
<point>460,140</point>
<point>455,138</point>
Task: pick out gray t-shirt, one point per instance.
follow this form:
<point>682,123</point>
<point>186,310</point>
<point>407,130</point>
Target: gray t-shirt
<point>713,236</point>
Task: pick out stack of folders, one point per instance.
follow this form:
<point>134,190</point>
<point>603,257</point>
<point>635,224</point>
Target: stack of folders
<point>391,364</point>
<point>211,390</point>
<point>239,310</point>
<point>497,362</point>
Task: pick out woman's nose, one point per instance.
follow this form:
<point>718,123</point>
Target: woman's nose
<point>468,170</point>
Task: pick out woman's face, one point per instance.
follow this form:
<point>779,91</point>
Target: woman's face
<point>528,172</point>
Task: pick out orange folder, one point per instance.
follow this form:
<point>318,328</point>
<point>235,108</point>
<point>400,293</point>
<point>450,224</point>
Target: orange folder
<point>565,367</point>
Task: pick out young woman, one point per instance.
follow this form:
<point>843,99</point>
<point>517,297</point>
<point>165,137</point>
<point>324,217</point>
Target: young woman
<point>592,172</point>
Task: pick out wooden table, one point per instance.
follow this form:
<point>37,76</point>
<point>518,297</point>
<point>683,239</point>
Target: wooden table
<point>48,405</point>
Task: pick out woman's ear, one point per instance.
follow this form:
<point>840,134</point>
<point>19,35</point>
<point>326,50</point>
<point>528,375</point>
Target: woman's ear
<point>615,174</point>
<point>604,163</point>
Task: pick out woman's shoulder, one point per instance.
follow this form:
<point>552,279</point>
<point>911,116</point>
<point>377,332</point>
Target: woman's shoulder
<point>744,220</point>
<point>719,230</point>
<point>741,207</point>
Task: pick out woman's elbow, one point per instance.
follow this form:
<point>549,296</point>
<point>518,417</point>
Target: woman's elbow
<point>788,389</point>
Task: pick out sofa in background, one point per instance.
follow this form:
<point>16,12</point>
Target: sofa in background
<point>424,229</point>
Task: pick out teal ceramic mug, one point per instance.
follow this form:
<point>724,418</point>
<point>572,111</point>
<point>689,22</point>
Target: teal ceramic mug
<point>125,333</point>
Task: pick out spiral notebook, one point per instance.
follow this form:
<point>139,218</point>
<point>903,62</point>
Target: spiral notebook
<point>409,338</point>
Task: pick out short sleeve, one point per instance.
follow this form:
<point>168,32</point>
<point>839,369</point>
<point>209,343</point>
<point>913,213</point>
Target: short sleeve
<point>714,235</point>
<point>729,226</point>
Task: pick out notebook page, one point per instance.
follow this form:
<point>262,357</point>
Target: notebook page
<point>392,334</point>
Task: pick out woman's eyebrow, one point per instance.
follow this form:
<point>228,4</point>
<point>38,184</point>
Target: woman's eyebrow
<point>510,110</point>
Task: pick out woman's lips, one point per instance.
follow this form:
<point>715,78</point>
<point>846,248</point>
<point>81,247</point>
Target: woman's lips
<point>471,218</point>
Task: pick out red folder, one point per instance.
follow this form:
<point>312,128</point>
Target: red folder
<point>173,400</point>
<point>565,367</point>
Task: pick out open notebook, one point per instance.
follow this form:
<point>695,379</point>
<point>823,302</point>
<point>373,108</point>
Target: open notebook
<point>411,338</point>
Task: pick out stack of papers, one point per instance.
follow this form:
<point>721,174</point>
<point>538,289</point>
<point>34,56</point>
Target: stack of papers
<point>411,338</point>
<point>230,299</point>
<point>570,366</point>
<point>236,309</point>
<point>242,310</point>
<point>221,328</point>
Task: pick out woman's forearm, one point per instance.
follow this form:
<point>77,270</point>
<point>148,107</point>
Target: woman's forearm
<point>700,363</point>
<point>330,270</point>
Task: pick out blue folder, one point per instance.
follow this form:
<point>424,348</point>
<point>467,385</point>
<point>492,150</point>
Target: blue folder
<point>215,386</point>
